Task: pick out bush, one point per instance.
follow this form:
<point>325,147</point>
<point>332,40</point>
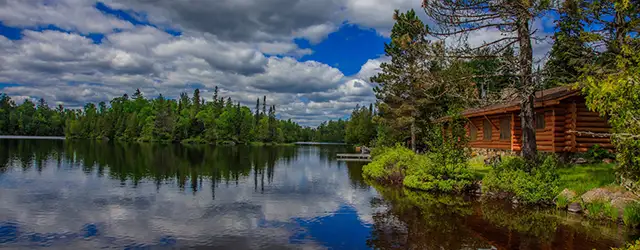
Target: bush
<point>630,246</point>
<point>597,154</point>
<point>631,215</point>
<point>391,165</point>
<point>379,150</point>
<point>525,182</point>
<point>440,170</point>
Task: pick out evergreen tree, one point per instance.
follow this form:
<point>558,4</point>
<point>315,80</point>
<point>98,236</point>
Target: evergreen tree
<point>569,52</point>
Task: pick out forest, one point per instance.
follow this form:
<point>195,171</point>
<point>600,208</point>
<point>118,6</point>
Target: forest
<point>190,119</point>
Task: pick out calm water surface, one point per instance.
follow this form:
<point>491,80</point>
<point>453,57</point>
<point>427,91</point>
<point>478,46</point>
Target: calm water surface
<point>84,195</point>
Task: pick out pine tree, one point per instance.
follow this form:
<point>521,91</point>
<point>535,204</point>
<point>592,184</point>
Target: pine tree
<point>569,53</point>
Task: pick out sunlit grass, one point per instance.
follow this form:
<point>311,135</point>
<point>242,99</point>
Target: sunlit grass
<point>477,166</point>
<point>582,178</point>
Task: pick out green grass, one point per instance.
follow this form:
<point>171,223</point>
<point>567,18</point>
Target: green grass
<point>631,215</point>
<point>602,210</point>
<point>582,178</point>
<point>478,168</point>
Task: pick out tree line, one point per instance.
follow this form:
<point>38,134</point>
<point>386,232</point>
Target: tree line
<point>190,119</point>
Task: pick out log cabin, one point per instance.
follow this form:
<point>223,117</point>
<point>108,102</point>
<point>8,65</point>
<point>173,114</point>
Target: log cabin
<point>562,120</point>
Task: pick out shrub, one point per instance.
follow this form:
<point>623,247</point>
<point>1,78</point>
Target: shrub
<point>379,150</point>
<point>391,165</point>
<point>602,210</point>
<point>597,154</point>
<point>631,214</point>
<point>446,169</point>
<point>630,246</point>
<point>440,177</point>
<point>440,170</point>
<point>525,182</point>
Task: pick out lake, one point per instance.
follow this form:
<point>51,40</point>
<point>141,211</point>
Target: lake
<point>78,194</point>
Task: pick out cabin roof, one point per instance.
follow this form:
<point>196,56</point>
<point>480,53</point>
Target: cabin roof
<point>545,97</point>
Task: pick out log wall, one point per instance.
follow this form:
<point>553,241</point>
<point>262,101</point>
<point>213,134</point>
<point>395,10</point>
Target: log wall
<point>495,142</point>
<point>570,115</point>
<point>579,118</point>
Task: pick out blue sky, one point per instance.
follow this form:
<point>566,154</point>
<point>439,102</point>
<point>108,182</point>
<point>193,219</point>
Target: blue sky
<point>313,59</point>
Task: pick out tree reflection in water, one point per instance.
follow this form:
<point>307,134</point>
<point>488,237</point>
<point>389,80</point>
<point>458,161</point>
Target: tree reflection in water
<point>406,219</point>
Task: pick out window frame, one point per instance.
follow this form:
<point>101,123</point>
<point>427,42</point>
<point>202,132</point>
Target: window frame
<point>473,132</point>
<point>485,122</point>
<point>503,121</point>
<point>537,119</point>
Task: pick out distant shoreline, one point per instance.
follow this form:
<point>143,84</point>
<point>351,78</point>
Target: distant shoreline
<point>32,137</point>
<point>320,143</point>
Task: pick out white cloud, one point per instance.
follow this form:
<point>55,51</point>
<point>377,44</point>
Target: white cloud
<point>245,47</point>
<point>76,15</point>
<point>316,33</point>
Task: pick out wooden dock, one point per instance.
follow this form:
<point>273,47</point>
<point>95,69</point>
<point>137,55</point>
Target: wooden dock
<point>354,157</point>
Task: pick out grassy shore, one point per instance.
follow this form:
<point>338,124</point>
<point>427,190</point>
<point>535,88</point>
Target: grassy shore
<point>579,178</point>
<point>582,178</point>
<point>477,166</point>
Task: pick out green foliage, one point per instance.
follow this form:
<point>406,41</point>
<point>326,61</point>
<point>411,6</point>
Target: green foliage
<point>418,85</point>
<point>597,154</point>
<point>188,120</point>
<point>562,202</point>
<point>527,183</point>
<point>569,52</point>
<point>631,214</point>
<point>602,210</point>
<point>440,170</point>
<point>30,118</point>
<point>360,129</point>
<point>611,80</point>
<point>392,165</point>
<point>330,131</point>
<point>630,246</point>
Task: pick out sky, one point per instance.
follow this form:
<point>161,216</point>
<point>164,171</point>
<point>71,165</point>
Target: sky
<point>311,58</point>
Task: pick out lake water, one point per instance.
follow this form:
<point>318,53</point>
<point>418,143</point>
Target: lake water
<point>86,195</point>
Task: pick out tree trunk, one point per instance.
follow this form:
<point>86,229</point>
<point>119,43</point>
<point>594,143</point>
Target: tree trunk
<point>527,89</point>
<point>413,136</point>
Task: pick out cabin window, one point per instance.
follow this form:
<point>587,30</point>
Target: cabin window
<point>540,124</point>
<point>473,132</point>
<point>486,130</point>
<point>505,128</point>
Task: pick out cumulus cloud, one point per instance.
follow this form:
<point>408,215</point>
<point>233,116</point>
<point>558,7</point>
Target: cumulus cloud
<point>245,47</point>
<point>76,15</point>
<point>286,75</point>
<point>220,55</point>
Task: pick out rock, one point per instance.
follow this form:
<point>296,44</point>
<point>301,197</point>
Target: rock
<point>620,203</point>
<point>567,194</point>
<point>575,207</point>
<point>579,161</point>
<point>597,194</point>
<point>607,160</point>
